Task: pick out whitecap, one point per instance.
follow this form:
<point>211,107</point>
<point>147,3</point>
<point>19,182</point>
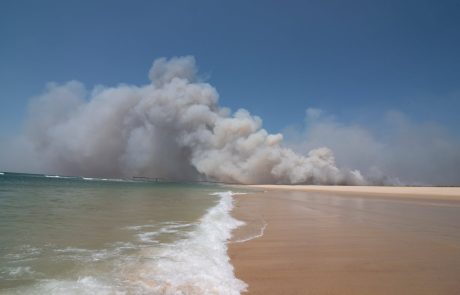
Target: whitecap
<point>19,271</point>
<point>24,252</point>
<point>147,237</point>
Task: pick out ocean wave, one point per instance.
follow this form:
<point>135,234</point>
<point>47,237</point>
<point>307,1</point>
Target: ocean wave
<point>156,230</point>
<point>106,179</point>
<point>147,237</point>
<point>90,255</point>
<point>17,272</point>
<point>23,252</point>
<point>82,285</point>
<point>61,177</point>
<point>166,224</point>
<point>197,263</point>
<point>89,178</point>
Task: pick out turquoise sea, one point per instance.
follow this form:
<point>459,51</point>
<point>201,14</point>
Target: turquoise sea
<point>75,235</point>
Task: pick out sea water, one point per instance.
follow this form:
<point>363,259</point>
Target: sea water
<point>74,235</point>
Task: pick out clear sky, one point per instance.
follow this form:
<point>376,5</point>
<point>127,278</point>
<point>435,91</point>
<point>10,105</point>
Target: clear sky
<point>354,59</point>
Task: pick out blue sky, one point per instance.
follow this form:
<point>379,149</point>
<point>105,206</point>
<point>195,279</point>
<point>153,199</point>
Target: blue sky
<point>354,59</point>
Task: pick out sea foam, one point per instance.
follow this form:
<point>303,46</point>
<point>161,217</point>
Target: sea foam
<point>198,264</point>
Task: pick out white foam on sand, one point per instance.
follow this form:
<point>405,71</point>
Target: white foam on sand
<point>256,236</point>
<point>198,264</point>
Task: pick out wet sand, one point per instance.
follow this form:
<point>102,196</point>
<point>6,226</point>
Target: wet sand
<point>366,242</point>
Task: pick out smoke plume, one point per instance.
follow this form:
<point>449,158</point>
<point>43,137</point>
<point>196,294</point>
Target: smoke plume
<point>400,150</point>
<point>171,128</point>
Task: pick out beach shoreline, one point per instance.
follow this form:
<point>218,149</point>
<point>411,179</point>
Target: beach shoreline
<point>412,192</point>
<point>348,240</point>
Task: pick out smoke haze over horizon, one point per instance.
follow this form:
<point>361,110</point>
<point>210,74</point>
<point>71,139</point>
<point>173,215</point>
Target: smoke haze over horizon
<point>174,128</point>
<point>400,151</point>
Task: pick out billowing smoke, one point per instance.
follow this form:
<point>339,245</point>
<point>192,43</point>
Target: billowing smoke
<point>400,150</point>
<point>172,128</point>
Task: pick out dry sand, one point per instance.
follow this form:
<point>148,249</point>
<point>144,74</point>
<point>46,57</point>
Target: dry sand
<point>365,241</point>
<point>428,193</point>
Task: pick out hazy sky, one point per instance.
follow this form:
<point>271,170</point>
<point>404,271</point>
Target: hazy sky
<point>355,59</point>
<point>378,82</point>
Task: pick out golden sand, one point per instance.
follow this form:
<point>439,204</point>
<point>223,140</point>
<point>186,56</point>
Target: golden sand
<point>386,241</point>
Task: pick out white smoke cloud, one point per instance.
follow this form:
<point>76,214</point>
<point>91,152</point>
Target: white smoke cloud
<point>402,151</point>
<point>172,128</point>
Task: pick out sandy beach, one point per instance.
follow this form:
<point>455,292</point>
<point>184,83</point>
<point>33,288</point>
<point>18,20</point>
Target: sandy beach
<point>348,240</point>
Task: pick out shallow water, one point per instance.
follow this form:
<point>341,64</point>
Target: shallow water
<point>88,236</point>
